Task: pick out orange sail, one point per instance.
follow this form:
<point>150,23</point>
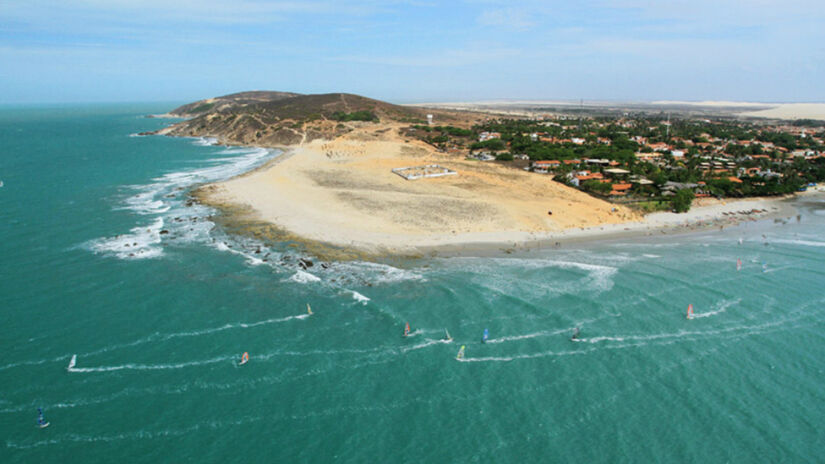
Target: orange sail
<point>738,264</point>
<point>690,311</point>
<point>244,358</point>
<point>407,329</point>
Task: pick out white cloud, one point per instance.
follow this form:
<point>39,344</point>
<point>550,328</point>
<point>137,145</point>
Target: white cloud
<point>506,17</point>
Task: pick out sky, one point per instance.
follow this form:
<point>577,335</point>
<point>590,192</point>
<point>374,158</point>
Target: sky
<point>61,51</point>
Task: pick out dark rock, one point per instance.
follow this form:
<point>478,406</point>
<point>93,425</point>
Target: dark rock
<point>164,232</point>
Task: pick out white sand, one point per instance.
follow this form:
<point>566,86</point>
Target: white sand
<point>344,193</point>
<point>791,111</point>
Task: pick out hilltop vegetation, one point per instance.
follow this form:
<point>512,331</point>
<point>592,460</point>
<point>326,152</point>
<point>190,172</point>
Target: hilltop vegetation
<point>235,100</point>
<point>279,118</point>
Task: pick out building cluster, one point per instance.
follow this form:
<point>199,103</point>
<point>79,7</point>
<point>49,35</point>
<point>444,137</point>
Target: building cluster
<point>707,156</point>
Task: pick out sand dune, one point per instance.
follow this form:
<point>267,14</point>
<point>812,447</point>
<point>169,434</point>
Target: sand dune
<point>791,111</point>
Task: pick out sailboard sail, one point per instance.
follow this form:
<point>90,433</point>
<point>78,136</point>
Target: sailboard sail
<point>738,264</point>
<point>690,311</point>
<point>407,330</point>
<point>447,336</point>
<point>72,362</point>
<point>41,421</point>
<point>460,354</point>
<point>309,310</point>
<point>485,336</point>
<point>575,334</point>
<point>244,358</point>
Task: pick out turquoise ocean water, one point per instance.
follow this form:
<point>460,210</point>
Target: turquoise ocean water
<point>100,257</point>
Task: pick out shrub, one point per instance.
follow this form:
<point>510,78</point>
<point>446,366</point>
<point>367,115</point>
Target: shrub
<point>682,200</point>
<point>355,116</point>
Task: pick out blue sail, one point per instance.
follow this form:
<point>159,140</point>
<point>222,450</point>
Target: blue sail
<point>485,336</point>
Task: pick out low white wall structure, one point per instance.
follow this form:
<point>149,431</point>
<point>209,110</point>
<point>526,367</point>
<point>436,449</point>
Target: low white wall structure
<point>429,170</point>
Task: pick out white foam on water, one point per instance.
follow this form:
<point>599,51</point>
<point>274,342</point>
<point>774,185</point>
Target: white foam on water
<point>205,141</point>
<point>140,243</point>
<point>359,297</point>
<point>377,273</point>
<point>146,203</point>
<point>810,243</point>
<point>251,259</point>
<point>501,275</point>
<point>303,277</point>
<point>651,256</point>
<point>164,198</point>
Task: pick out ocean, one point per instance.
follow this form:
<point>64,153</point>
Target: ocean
<point>104,257</point>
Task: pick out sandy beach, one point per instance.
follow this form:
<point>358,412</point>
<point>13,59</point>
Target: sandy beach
<point>343,193</point>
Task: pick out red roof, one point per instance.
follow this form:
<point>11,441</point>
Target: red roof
<point>595,175</point>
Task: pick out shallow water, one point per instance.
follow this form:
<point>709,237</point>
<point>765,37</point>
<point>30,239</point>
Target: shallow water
<point>159,320</point>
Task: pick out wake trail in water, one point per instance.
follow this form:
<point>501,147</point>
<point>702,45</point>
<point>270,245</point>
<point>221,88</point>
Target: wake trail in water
<point>428,342</point>
<point>151,367</point>
<point>158,338</point>
<point>720,309</point>
<point>543,333</point>
<point>644,341</point>
<point>546,333</point>
<point>197,333</point>
<point>137,435</point>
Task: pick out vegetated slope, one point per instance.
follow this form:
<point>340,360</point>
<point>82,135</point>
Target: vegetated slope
<point>293,120</point>
<point>225,102</point>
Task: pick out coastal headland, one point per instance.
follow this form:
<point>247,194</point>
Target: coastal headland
<point>334,185</point>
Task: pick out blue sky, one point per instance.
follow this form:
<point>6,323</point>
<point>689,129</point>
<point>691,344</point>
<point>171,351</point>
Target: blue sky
<point>413,51</point>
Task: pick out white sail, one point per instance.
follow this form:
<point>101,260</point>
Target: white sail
<point>72,362</point>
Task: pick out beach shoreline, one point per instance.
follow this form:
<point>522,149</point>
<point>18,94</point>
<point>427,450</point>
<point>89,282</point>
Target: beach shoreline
<point>285,200</point>
<point>704,219</point>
